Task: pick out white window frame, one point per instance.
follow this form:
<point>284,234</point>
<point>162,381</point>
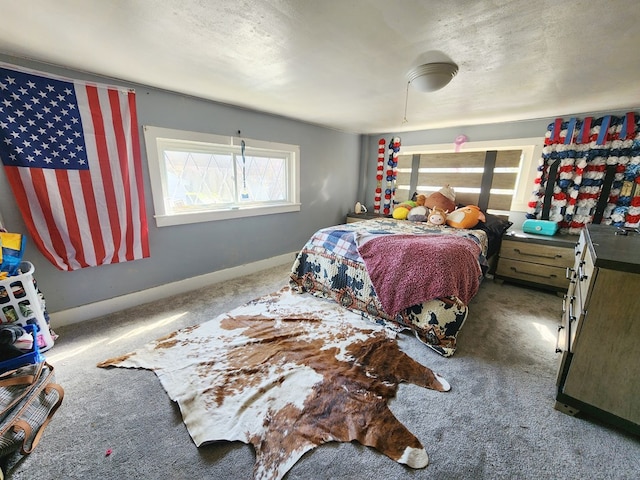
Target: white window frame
<point>531,152</point>
<point>157,176</point>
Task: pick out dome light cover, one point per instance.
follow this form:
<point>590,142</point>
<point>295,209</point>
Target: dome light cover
<point>431,76</point>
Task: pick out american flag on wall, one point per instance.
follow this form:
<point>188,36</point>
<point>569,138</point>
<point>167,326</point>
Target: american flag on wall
<point>71,153</point>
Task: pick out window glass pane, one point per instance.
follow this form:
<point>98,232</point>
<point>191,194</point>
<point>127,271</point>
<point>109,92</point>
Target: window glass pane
<point>197,181</point>
<point>262,179</point>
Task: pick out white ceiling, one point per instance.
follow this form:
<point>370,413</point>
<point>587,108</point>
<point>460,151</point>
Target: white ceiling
<point>343,63</point>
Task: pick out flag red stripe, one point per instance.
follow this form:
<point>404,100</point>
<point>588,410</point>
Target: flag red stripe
<point>91,208</point>
<point>42,194</point>
<point>137,165</point>
<point>70,216</point>
<point>105,169</point>
<point>13,175</point>
<point>123,157</point>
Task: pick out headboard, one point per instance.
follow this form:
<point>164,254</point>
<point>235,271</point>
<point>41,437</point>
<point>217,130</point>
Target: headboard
<point>483,178</point>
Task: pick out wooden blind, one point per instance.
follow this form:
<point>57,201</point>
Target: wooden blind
<point>464,172</point>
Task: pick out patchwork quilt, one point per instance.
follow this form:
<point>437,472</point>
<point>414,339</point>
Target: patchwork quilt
<point>436,288</point>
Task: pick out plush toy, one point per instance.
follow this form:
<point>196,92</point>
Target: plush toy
<point>418,214</point>
<point>443,198</point>
<point>437,216</point>
<point>465,217</point>
<point>401,212</point>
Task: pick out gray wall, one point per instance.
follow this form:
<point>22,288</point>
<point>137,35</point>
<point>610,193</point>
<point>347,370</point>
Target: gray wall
<point>329,164</point>
<point>337,169</point>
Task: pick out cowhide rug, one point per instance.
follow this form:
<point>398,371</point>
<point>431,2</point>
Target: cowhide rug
<point>288,372</point>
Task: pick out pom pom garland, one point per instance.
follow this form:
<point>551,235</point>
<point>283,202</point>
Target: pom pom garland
<point>392,172</point>
<point>380,168</point>
<point>585,150</point>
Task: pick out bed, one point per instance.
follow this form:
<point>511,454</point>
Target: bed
<point>401,274</point>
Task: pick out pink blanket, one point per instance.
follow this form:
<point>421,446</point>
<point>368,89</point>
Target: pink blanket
<point>406,270</point>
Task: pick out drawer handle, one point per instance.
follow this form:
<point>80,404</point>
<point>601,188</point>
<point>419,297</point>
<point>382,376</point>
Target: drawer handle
<point>564,302</point>
<point>553,275</point>
<point>569,272</point>
<point>558,349</point>
<point>581,275</point>
<point>517,250</point>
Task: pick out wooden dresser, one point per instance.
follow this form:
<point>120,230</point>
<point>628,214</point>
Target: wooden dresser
<point>599,337</point>
<point>537,260</point>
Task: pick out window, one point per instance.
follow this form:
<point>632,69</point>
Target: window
<point>506,167</point>
<point>199,177</point>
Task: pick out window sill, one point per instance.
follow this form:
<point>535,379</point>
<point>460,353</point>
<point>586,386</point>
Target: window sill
<point>228,214</point>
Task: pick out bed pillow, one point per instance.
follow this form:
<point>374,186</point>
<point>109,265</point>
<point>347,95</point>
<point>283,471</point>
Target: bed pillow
<point>494,224</point>
<point>494,227</point>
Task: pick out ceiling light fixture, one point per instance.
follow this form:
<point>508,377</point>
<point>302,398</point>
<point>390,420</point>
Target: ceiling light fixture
<point>432,76</point>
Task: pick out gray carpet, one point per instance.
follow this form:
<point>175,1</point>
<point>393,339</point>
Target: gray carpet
<point>497,422</point>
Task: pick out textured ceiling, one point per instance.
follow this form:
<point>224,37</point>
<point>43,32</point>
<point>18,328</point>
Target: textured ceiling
<point>343,63</point>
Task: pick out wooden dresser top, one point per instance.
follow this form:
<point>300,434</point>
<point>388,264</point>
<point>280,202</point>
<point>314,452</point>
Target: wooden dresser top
<point>615,251</point>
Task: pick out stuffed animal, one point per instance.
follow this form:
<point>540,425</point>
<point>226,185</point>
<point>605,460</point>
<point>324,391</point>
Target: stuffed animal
<point>418,214</point>
<point>401,212</point>
<point>465,217</point>
<point>443,198</point>
<point>437,216</point>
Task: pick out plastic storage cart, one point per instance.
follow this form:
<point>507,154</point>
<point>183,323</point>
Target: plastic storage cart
<point>21,303</point>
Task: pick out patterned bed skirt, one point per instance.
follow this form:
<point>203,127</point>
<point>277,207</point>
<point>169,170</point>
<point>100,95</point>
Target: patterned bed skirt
<point>435,323</point>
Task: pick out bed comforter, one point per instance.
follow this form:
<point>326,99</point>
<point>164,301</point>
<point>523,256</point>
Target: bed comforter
<point>404,275</point>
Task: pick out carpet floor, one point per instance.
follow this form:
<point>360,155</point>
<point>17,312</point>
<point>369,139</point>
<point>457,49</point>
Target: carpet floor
<point>497,422</point>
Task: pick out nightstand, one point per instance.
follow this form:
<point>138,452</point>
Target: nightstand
<point>536,260</point>
<point>358,217</point>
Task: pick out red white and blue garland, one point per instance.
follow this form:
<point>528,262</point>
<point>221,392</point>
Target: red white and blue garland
<point>392,174</point>
<point>377,199</point>
<point>585,148</point>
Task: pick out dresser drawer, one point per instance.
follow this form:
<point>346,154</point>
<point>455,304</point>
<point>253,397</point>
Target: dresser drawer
<point>541,254</point>
<point>533,272</point>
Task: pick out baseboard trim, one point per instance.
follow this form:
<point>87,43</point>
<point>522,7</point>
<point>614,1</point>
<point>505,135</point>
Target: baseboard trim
<point>111,305</point>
